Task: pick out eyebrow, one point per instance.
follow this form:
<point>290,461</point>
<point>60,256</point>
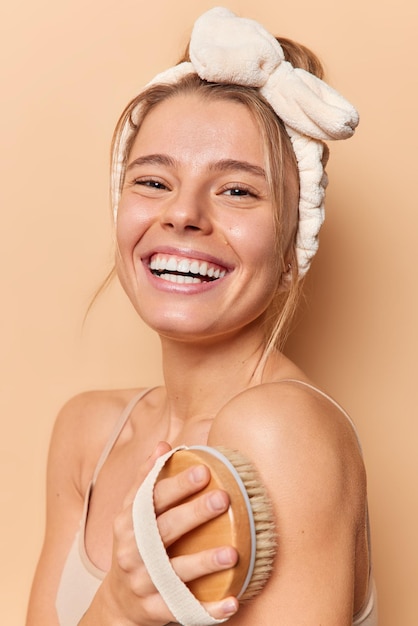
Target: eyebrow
<point>152,159</point>
<point>223,165</point>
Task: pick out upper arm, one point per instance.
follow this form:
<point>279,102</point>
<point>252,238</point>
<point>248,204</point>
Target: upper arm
<point>69,465</point>
<point>307,456</point>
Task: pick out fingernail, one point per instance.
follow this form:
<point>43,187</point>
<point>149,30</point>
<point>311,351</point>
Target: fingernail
<point>217,501</point>
<point>229,607</point>
<point>225,557</point>
<point>198,474</point>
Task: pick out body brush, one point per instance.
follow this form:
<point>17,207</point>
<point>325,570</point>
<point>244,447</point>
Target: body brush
<point>248,525</point>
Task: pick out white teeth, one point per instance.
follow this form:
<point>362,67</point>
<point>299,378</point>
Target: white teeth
<point>176,278</point>
<point>161,263</point>
<point>194,267</point>
<point>171,264</point>
<point>203,269</point>
<point>183,266</point>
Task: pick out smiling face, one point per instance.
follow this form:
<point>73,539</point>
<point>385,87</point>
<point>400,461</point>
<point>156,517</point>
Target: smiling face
<point>195,229</point>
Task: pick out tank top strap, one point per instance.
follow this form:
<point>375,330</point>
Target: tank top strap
<point>117,429</point>
<point>327,397</point>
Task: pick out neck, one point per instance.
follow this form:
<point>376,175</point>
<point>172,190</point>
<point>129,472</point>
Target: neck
<point>201,378</point>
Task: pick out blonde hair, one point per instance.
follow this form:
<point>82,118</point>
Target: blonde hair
<point>281,168</point>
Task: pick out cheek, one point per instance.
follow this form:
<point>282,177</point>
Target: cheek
<point>131,223</point>
<point>256,242</point>
<point>129,229</point>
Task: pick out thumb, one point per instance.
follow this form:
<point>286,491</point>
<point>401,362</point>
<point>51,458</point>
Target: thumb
<point>161,448</point>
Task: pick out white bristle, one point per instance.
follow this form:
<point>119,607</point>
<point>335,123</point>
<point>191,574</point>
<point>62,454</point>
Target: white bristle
<point>263,515</point>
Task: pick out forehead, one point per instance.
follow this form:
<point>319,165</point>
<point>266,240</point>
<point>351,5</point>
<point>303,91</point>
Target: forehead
<point>195,127</point>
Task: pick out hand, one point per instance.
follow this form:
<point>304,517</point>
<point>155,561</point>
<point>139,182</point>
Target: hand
<point>127,590</point>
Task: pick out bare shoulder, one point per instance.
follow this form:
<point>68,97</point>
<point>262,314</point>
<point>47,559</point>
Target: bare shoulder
<point>83,426</point>
<point>80,432</point>
<point>91,409</point>
<point>307,456</point>
<point>289,408</point>
<point>297,438</point>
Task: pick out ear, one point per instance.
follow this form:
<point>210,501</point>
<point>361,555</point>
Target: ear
<point>287,276</point>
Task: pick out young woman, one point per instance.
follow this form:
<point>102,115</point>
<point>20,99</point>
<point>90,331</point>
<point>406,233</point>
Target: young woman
<point>218,187</point>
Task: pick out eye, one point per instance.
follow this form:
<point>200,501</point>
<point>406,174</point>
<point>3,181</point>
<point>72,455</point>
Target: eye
<point>150,182</point>
<point>239,191</point>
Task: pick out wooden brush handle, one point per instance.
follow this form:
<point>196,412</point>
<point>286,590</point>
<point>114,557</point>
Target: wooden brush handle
<point>230,528</point>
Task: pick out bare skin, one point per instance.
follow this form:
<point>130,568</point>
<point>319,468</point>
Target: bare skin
<point>194,202</point>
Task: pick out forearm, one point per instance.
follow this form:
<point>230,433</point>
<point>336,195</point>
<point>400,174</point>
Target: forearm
<point>98,615</point>
<point>106,611</point>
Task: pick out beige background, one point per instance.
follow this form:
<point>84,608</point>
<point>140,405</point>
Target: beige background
<point>68,68</point>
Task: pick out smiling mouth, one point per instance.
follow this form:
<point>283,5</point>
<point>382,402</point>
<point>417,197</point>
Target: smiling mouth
<point>183,270</point>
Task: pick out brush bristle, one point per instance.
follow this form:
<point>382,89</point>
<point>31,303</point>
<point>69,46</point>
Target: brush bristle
<point>262,509</point>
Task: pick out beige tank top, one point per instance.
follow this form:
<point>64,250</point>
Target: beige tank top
<point>80,578</point>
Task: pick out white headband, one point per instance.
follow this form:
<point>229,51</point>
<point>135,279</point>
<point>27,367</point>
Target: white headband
<point>228,49</point>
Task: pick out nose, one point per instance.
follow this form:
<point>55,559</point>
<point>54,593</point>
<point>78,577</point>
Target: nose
<point>187,212</point>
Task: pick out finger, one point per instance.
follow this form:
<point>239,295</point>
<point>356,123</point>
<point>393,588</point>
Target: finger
<point>191,566</point>
<point>187,567</point>
<point>170,491</point>
<point>183,518</point>
<point>161,448</point>
<point>223,609</point>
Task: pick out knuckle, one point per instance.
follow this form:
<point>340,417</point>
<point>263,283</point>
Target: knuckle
<point>201,508</point>
<point>165,527</point>
<point>136,583</point>
<point>154,606</point>
<point>208,562</point>
<point>123,559</point>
